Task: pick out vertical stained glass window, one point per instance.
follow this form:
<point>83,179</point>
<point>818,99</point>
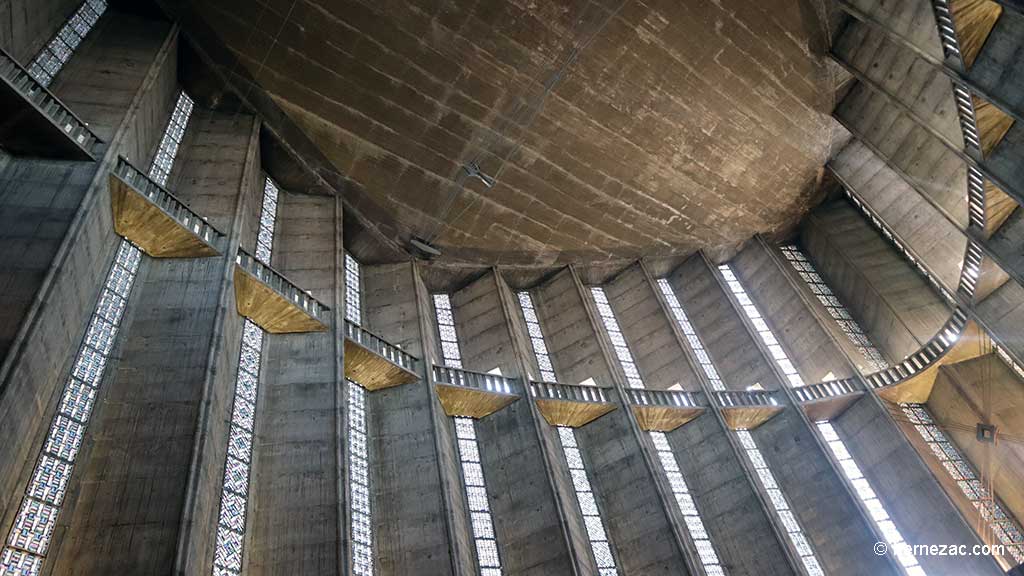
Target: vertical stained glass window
<point>469,451</point>
<point>611,327</point>
<point>764,474</point>
<point>1002,525</point>
<point>835,444</point>
<point>353,304</point>
<point>588,504</point>
<point>227,559</point>
<point>358,451</point>
<point>359,483</point>
<point>33,527</point>
<point>540,349</point>
<point>58,51</point>
<point>171,141</point>
<point>669,464</point>
<point>835,308</point>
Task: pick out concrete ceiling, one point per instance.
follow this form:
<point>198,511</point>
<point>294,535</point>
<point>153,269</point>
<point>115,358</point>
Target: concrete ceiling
<point>684,124</point>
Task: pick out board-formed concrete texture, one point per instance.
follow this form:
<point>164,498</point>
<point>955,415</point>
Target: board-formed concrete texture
<point>544,148</point>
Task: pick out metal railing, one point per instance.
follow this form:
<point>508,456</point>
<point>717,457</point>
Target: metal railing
<point>569,392</point>
<point>923,358</point>
<point>20,79</point>
<point>667,398</point>
<point>830,389</point>
<point>166,201</point>
<point>284,287</point>
<point>379,346</point>
<point>742,399</point>
<point>476,380</point>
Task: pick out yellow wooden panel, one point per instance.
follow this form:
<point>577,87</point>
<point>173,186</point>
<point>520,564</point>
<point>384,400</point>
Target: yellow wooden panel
<point>998,207</point>
<point>373,371</point>
<point>972,343</point>
<point>150,228</point>
<point>829,408</point>
<point>268,309</point>
<point>470,402</point>
<point>572,414</point>
<point>748,417</point>
<point>974,21</point>
<point>993,124</point>
<point>664,418</point>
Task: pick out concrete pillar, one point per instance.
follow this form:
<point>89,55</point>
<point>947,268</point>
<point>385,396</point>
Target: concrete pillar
<point>298,478</point>
<point>735,513</point>
<point>644,534</point>
<point>151,439</point>
<point>410,505</point>
<point>527,520</point>
<point>819,499</point>
<point>912,496</point>
<point>58,239</point>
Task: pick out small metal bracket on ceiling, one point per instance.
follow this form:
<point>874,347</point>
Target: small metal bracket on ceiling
<point>473,170</point>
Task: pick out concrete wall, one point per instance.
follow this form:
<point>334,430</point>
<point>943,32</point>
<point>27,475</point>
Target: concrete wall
<point>64,269</point>
<point>731,347</point>
<point>409,512</point>
<point>892,302</point>
<point>27,25</point>
<point>525,512</point>
<point>658,356</point>
<point>726,499</point>
<point>816,356</point>
<point>907,488</point>
<point>999,69</point>
<point>561,482</point>
<point>914,20</point>
<point>929,165</point>
<point>295,501</point>
<point>157,394</point>
<point>637,523</point>
<point>934,239</point>
<point>572,343</point>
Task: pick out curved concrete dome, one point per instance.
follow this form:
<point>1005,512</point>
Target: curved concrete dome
<point>682,125</point>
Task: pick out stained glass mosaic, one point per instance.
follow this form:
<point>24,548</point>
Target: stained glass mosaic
<point>238,462</point>
<point>160,170</point>
<point>873,358</point>
<point>45,66</point>
<point>359,483</point>
<point>473,478</point>
<point>353,304</point>
<point>588,507</point>
<point>1003,526</point>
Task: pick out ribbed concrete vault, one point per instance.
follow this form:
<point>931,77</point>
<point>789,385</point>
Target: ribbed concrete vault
<point>680,126</point>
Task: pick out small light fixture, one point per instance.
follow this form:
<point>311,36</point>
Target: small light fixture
<point>986,433</point>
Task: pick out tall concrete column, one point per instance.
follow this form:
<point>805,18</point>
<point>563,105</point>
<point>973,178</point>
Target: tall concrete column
<point>294,493</point>
<point>914,499</point>
<point>57,231</point>
<point>410,503</point>
<point>735,512</point>
<point>829,514</point>
<point>527,517</point>
<point>573,531</point>
<point>146,439</point>
<point>640,529</point>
